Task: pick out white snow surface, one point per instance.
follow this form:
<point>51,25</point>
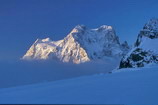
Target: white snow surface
<point>126,86</point>
<point>79,46</point>
<point>149,44</point>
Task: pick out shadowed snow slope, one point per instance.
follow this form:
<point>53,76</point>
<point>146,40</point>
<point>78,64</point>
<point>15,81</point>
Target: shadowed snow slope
<point>127,86</point>
<point>79,46</point>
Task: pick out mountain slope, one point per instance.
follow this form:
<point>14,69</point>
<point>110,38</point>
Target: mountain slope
<point>80,45</point>
<point>128,86</point>
<point>145,50</point>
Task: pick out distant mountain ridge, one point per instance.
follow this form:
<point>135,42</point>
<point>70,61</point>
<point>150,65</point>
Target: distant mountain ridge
<point>79,46</point>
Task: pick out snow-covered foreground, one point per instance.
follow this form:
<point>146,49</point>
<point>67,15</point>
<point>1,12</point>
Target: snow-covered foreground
<point>128,86</point>
<point>25,73</point>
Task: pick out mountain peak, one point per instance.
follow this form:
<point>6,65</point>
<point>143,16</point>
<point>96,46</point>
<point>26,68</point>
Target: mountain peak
<point>46,40</point>
<point>105,27</point>
<point>80,45</point>
<point>150,30</point>
<point>151,25</point>
<point>80,27</point>
<point>153,21</point>
<point>145,50</point>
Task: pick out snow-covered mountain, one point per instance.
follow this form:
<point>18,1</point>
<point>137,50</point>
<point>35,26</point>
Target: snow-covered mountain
<point>80,45</point>
<point>145,50</point>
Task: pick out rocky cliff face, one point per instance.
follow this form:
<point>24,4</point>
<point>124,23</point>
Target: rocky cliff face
<point>145,50</point>
<point>80,45</point>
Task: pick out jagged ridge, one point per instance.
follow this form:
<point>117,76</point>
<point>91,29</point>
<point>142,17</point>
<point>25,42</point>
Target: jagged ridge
<point>145,49</point>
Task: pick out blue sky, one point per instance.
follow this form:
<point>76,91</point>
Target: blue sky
<point>23,21</point>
